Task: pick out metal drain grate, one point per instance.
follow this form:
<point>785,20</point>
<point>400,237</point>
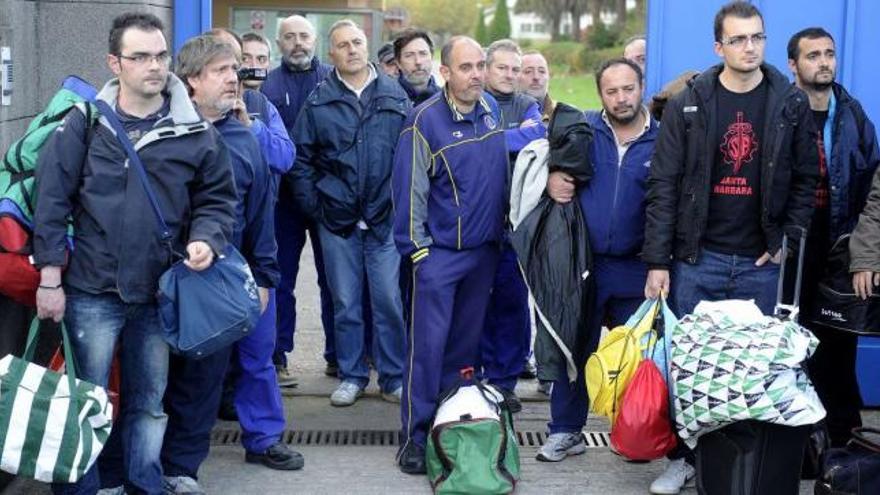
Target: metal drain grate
<point>383,438</point>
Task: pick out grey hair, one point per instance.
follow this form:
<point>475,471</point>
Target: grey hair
<point>341,24</point>
<point>503,46</point>
<point>198,52</point>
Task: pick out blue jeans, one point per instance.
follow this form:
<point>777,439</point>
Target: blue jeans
<point>96,323</point>
<point>716,277</point>
<point>349,261</point>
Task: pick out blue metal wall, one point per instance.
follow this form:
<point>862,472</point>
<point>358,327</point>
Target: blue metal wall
<point>680,37</point>
<point>191,18</point>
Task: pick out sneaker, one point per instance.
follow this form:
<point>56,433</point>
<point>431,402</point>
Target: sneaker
<point>530,371</point>
<point>411,459</point>
<point>181,485</point>
<point>117,490</point>
<point>512,400</point>
<point>346,394</point>
<point>545,388</point>
<point>393,396</point>
<point>561,445</point>
<point>678,473</point>
<point>285,378</point>
<point>278,456</point>
<point>332,369</point>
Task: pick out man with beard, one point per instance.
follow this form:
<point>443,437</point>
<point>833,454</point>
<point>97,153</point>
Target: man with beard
<point>450,231</point>
<point>613,203</point>
<point>414,52</point>
<point>534,80</point>
<point>735,166</point>
<point>287,87</point>
<point>848,156</point>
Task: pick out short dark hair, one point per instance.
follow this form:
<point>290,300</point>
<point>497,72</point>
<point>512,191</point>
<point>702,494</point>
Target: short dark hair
<point>617,61</point>
<point>739,8</point>
<point>408,35</point>
<point>810,33</point>
<point>252,36</point>
<point>122,23</point>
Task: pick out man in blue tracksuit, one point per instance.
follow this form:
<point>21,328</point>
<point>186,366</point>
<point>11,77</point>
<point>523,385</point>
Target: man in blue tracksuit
<point>506,340</point>
<point>208,67</point>
<point>450,193</point>
<point>287,87</point>
<point>613,203</point>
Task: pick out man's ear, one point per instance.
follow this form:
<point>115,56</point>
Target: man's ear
<point>113,63</point>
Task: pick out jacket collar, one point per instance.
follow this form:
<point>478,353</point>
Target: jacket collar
<point>181,109</point>
<point>412,92</point>
<point>598,121</point>
<point>705,83</point>
<point>333,89</point>
<point>481,107</point>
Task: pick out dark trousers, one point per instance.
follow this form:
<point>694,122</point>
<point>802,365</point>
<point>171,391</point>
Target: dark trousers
<point>450,294</point>
<point>291,227</point>
<point>506,339</point>
<point>620,289</point>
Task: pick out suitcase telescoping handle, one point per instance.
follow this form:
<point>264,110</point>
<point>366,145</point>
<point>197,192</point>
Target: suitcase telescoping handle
<point>790,311</point>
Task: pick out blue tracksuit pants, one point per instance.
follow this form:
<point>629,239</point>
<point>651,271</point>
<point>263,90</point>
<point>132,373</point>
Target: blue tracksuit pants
<point>193,398</point>
<point>450,293</point>
<point>506,339</point>
<point>290,233</point>
<point>620,289</point>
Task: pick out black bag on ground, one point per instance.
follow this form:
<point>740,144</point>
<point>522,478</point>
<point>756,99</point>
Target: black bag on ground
<point>836,304</point>
<point>854,469</point>
<point>751,458</point>
<point>818,444</point>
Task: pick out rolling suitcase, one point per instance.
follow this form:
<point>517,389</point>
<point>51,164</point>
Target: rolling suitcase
<point>755,457</point>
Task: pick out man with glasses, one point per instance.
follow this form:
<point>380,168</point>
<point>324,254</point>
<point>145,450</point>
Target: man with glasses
<point>735,166</point>
<point>107,293</point>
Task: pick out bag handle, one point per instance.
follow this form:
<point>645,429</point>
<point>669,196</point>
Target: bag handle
<point>69,364</point>
<point>860,438</point>
<point>110,115</point>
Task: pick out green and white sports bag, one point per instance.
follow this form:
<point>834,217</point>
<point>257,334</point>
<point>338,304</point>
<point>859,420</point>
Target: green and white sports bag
<point>52,427</point>
<point>472,448</point>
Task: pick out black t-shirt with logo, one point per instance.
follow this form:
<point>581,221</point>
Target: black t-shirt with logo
<point>734,220</point>
<point>136,127</point>
<point>821,225</point>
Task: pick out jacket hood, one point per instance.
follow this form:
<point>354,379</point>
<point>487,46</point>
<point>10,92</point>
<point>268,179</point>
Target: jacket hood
<point>332,89</point>
<point>570,137</point>
<point>181,110</point>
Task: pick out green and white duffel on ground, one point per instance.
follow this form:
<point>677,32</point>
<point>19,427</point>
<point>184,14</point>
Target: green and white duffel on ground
<point>52,426</point>
<point>472,448</point>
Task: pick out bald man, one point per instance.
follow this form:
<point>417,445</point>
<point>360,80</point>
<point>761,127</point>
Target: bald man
<point>287,87</point>
<point>635,49</point>
<point>450,225</point>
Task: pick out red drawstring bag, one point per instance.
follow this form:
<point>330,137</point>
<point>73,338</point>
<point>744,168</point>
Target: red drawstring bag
<point>642,431</point>
<point>18,277</point>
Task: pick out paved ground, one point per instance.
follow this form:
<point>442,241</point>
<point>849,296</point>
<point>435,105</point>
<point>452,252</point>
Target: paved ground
<point>371,469</point>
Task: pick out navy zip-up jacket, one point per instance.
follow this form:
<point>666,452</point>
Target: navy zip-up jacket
<point>288,89</point>
<point>516,108</point>
<point>613,201</point>
<point>254,232</point>
<point>451,177</point>
<point>418,97</point>
<point>118,248</point>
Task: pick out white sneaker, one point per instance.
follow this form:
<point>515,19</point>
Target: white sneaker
<point>561,445</point>
<point>179,485</point>
<point>394,396</point>
<point>346,394</point>
<point>678,473</point>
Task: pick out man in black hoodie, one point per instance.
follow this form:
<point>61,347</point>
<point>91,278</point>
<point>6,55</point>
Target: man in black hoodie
<point>734,167</point>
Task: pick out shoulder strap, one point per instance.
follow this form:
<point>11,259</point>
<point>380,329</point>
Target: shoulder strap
<point>135,161</point>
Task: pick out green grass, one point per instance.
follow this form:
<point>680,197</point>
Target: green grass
<point>578,90</point>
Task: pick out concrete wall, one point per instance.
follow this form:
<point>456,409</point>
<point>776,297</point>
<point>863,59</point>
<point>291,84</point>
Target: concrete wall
<point>51,39</point>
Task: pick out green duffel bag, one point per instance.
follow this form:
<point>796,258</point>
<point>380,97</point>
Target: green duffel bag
<point>472,448</point>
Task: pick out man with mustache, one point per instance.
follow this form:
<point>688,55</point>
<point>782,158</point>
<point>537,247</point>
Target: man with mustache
<point>287,87</point>
<point>345,137</point>
<point>848,156</point>
<point>450,193</point>
<point>507,334</point>
<point>414,52</point>
<point>734,167</point>
<point>613,203</point>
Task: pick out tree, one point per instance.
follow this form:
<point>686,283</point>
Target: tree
<point>500,27</point>
<point>424,14</point>
<point>481,34</point>
<point>550,11</point>
<point>620,8</point>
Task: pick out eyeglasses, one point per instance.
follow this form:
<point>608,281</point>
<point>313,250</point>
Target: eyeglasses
<point>741,40</point>
<point>146,58</point>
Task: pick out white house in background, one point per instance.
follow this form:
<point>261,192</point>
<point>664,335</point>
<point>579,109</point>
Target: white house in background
<point>531,26</point>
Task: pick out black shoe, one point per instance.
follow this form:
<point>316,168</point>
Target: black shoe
<point>412,459</point>
<point>513,403</point>
<point>332,370</point>
<point>278,456</point>
<point>529,372</point>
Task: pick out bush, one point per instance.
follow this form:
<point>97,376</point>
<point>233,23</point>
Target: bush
<point>601,36</point>
<point>590,59</point>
